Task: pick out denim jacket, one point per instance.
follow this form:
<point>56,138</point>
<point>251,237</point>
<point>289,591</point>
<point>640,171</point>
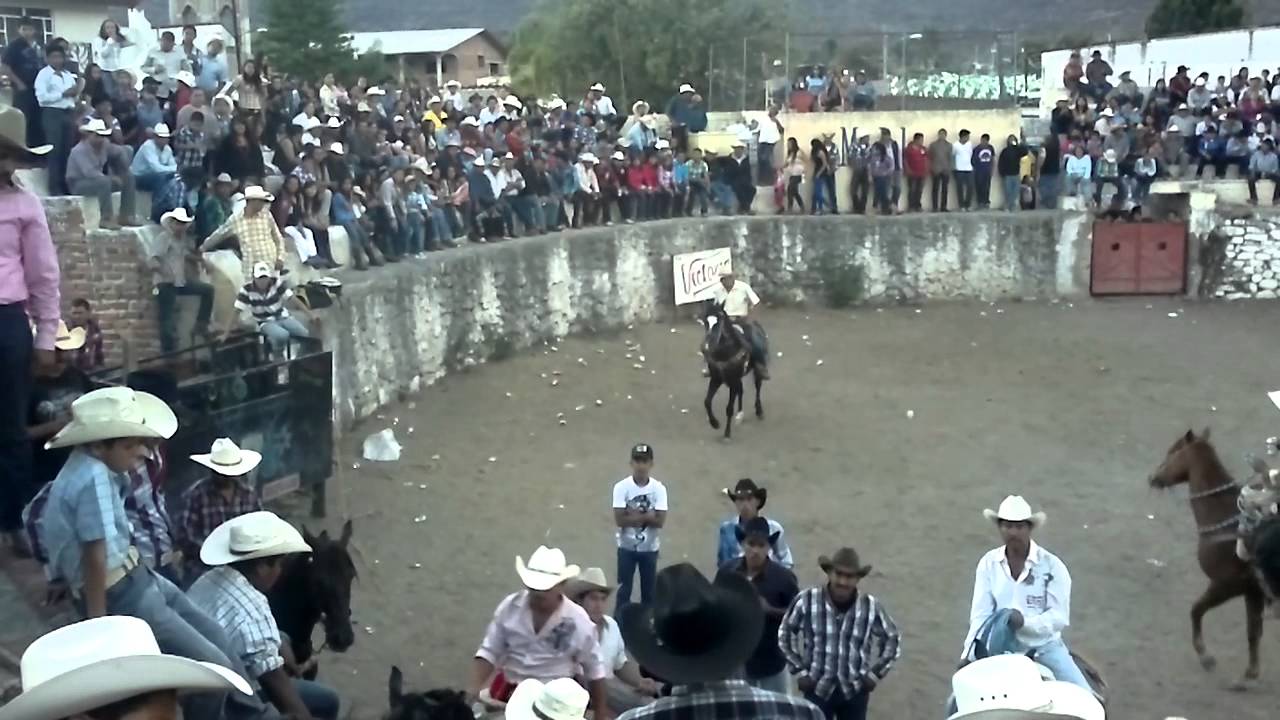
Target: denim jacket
<point>728,547</point>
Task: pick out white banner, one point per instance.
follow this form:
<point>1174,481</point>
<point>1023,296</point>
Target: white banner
<point>697,273</point>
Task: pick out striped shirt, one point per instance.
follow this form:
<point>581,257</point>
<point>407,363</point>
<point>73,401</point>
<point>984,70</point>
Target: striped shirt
<point>265,305</point>
<point>244,614</point>
<point>850,650</point>
<point>726,700</point>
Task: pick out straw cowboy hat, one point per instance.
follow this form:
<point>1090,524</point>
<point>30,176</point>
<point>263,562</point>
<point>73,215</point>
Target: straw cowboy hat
<point>593,578</point>
<point>186,78</point>
<point>746,487</point>
<point>97,662</point>
<point>546,569</point>
<point>513,101</point>
<point>66,339</point>
<point>695,630</point>
<point>598,87</point>
<point>1015,509</point>
<point>13,134</point>
<point>846,559</point>
<point>560,699</point>
<point>180,214</point>
<point>1009,687</point>
<point>686,88</point>
<point>375,90</point>
<point>95,126</point>
<point>226,458</point>
<point>115,412</point>
<point>257,192</point>
<point>470,121</point>
<point>337,149</point>
<point>334,123</point>
<point>251,536</point>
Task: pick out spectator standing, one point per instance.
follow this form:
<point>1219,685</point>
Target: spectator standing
<point>56,89</point>
<point>260,238</point>
<point>680,111</point>
<point>941,167</point>
<point>639,511</point>
<point>107,46</point>
<point>1264,165</point>
<point>164,63</point>
<point>962,161</point>
<point>1009,165</point>
<point>191,145</point>
<point>739,177</point>
<point>767,142</point>
<point>213,72</point>
<point>194,55</point>
<point>859,164</point>
<point>94,170</point>
<point>23,58</point>
<point>171,252</point>
<point>1050,171</point>
<point>92,355</point>
<point>984,160</point>
<point>915,159</point>
<point>839,641</point>
<point>29,296</point>
<point>894,152</point>
<point>1097,72</point>
<point>1072,74</point>
<point>881,170</point>
<point>154,165</point>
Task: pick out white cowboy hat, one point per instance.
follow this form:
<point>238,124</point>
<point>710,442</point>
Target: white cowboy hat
<point>453,83</point>
<point>1009,687</point>
<point>226,458</point>
<point>257,192</point>
<point>66,338</point>
<point>398,118</point>
<point>95,126</point>
<point>97,662</point>
<point>686,88</point>
<point>479,162</point>
<point>223,178</point>
<point>422,166</point>
<point>186,78</point>
<point>598,87</point>
<point>513,101</point>
<point>588,157</point>
<point>546,569</point>
<point>635,106</point>
<point>470,121</point>
<point>334,123</point>
<point>180,214</point>
<point>617,155</point>
<point>1107,112</point>
<point>560,699</point>
<point>592,578</point>
<point>337,149</point>
<point>375,90</point>
<point>252,535</point>
<point>115,412</point>
<point>556,104</point>
<point>161,131</point>
<point>1015,509</point>
<point>363,107</point>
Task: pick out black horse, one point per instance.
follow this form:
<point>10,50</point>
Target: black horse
<point>316,587</point>
<point>440,704</point>
<point>727,350</point>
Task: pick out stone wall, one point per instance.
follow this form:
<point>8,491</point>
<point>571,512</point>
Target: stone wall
<point>411,323</point>
<point>1243,258</point>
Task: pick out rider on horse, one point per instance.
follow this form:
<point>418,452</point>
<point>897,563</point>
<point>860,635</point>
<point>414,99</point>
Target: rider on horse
<point>737,298</point>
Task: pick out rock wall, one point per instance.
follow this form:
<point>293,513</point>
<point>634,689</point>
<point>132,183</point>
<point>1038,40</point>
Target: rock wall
<point>413,322</point>
<point>1243,258</point>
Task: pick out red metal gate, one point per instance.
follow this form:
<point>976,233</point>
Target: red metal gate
<point>1138,259</point>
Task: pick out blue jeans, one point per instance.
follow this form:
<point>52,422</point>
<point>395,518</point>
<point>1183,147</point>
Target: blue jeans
<point>998,638</point>
<point>629,561</point>
<point>417,234</point>
<point>152,182</point>
<point>278,332</point>
<point>322,701</point>
<point>1012,189</point>
<point>1049,186</point>
<point>441,233</point>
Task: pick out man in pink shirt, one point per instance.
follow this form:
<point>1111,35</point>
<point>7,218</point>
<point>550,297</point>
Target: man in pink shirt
<point>28,295</point>
<point>539,633</point>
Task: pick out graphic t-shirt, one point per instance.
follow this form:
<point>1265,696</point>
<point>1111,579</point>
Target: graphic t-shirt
<point>651,496</point>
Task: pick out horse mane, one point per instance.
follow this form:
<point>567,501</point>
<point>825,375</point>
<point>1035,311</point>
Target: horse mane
<point>1206,456</point>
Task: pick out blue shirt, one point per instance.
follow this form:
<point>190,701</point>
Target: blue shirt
<point>341,210</point>
<point>86,503</point>
<point>729,548</point>
<point>213,73</point>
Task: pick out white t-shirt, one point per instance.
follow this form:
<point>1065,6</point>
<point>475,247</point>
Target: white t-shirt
<point>613,653</point>
<point>738,301</point>
<point>963,155</point>
<point>627,495</point>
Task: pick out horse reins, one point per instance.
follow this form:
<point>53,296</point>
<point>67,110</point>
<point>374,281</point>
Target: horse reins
<point>1232,521</point>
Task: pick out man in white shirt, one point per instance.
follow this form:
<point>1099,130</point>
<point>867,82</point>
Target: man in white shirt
<point>164,63</point>
<point>962,153</point>
<point>767,139</point>
<point>56,89</point>
<point>1021,597</point>
<point>623,683</point>
<point>639,511</point>
<point>738,299</point>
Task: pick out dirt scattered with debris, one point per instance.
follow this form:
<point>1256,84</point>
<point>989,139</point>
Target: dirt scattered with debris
<point>915,421</point>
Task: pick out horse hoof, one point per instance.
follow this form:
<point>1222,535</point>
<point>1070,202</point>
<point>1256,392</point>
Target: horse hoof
<point>1243,684</point>
<point>1208,662</point>
<point>759,414</point>
<point>738,417</point>
<point>715,424</point>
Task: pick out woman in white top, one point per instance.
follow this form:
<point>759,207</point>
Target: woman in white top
<point>107,47</point>
<point>329,96</point>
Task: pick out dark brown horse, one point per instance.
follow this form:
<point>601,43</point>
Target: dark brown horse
<point>440,704</point>
<point>1192,460</point>
<point>313,588</point>
<point>727,351</point>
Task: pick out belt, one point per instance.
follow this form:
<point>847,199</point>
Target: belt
<point>130,562</point>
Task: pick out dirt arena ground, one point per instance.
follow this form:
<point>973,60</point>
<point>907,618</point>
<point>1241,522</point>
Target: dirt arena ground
<point>1072,405</point>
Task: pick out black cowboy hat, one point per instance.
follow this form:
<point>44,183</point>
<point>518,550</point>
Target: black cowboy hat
<point>845,559</point>
<point>695,630</point>
<point>746,487</point>
<point>757,527</point>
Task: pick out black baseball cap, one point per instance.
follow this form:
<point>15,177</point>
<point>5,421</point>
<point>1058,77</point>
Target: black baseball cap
<point>642,451</point>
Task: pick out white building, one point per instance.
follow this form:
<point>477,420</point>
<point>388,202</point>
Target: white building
<point>76,20</point>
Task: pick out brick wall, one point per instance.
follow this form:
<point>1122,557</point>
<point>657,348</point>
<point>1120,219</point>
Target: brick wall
<point>107,268</point>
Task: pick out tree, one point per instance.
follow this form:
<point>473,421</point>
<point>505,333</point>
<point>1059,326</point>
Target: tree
<point>1176,17</point>
<point>646,48</point>
<point>309,44</point>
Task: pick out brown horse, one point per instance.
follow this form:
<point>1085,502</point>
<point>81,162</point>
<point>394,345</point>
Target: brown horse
<point>1192,460</point>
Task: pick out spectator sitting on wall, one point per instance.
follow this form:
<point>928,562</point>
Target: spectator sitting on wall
<point>1097,72</point>
<point>95,169</point>
<point>154,165</point>
<point>863,92</point>
<point>92,355</point>
<point>261,303</point>
<point>1072,73</point>
<point>1264,165</point>
<point>170,253</point>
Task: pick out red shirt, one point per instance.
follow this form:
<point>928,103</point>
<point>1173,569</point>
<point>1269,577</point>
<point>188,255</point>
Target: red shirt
<point>915,161</point>
<point>642,177</point>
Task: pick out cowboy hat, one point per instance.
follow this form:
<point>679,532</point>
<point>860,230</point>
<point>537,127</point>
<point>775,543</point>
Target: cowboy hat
<point>115,412</point>
<point>97,662</point>
<point>226,458</point>
<point>223,178</point>
<point>598,87</point>
<point>1009,687</point>
<point>560,699</point>
<point>186,78</point>
<point>363,107</point>
<point>592,578</point>
<point>337,149</point>
<point>1015,509</point>
<point>588,158</point>
<point>756,527</point>
<point>95,126</point>
<point>180,214</point>
<point>453,83</point>
<point>257,192</point>
<point>434,99</point>
<point>846,558</point>
<point>694,630</point>
<point>661,145</point>
<point>470,121</point>
<point>375,90</point>
<point>617,155</point>
<point>635,107</point>
<point>66,339</point>
<point>746,487</point>
<point>250,536</point>
<point>333,122</point>
<point>546,569</point>
<point>513,101</point>
<point>13,133</point>
<point>686,88</point>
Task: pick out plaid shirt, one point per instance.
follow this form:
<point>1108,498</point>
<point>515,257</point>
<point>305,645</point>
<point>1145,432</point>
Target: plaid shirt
<point>260,239</point>
<point>207,508</point>
<point>726,700</point>
<point>190,148</point>
<point>850,650</point>
<point>91,355</point>
<point>244,614</point>
<point>84,503</point>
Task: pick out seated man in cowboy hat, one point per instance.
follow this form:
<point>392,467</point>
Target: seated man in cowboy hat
<point>246,556</point>
<point>1021,596</point>
<point>839,642</point>
<point>1010,687</point>
<point>777,587</point>
<point>750,499</point>
<point>212,501</point>
<point>87,531</point>
<point>627,688</point>
<point>110,668</point>
<point>696,636</point>
<point>538,633</point>
<point>737,298</point>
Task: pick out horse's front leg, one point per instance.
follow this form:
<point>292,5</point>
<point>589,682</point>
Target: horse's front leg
<point>735,395</point>
<point>713,384</point>
<point>759,405</point>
